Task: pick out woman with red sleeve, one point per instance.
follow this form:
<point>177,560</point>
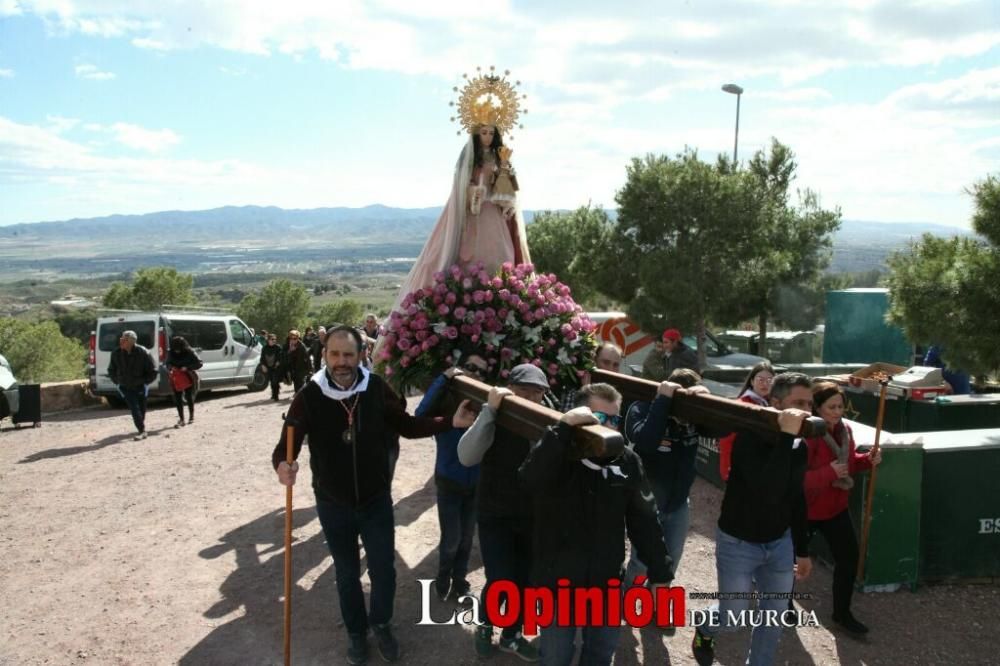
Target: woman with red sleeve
<point>828,483</point>
<point>756,390</point>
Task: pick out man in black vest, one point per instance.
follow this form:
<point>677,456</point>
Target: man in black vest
<point>503,507</point>
<point>351,416</point>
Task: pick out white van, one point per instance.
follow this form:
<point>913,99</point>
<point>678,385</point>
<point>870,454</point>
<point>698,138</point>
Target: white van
<point>225,345</point>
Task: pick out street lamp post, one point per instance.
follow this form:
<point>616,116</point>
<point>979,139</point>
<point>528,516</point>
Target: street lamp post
<point>734,89</point>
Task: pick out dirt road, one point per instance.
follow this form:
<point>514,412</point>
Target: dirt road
<point>169,550</point>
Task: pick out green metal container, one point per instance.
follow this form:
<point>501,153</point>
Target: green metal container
<point>905,416</point>
<point>960,517</point>
<point>856,330</point>
<point>740,341</point>
<point>790,346</point>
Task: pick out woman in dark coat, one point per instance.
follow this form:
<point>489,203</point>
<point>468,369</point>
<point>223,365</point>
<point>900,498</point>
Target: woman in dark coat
<point>296,360</point>
<point>182,363</point>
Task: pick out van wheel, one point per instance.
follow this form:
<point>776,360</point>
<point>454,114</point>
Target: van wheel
<point>259,381</point>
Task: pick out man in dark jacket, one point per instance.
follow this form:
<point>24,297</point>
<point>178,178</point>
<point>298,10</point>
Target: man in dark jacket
<point>667,447</point>
<point>272,361</point>
<point>669,355</point>
<point>761,542</point>
<point>503,508</point>
<point>456,485</point>
<point>583,509</point>
<point>132,370</point>
<point>349,416</point>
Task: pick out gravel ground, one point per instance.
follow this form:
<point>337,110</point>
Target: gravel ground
<point>169,550</point>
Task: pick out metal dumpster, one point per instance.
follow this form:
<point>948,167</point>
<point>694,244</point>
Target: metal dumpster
<point>740,341</point>
<point>790,346</point>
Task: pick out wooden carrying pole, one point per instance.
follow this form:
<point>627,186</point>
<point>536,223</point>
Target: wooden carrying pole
<point>708,410</point>
<point>289,453</point>
<point>530,420</point>
<point>867,522</point>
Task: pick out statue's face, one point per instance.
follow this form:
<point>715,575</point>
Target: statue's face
<point>486,133</point>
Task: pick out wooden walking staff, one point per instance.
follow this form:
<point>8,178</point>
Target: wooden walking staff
<point>289,453</point>
<point>867,522</point>
<point>530,420</point>
<point>709,410</point>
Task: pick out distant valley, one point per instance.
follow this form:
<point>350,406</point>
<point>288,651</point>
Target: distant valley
<point>253,239</point>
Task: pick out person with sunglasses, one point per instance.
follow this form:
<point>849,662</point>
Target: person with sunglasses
<point>297,364</point>
<point>456,484</point>
<point>583,509</point>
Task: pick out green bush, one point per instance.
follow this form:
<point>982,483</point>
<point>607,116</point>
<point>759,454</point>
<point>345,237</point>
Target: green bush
<point>40,352</point>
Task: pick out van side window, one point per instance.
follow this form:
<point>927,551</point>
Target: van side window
<point>240,333</point>
<point>111,331</point>
<point>203,335</point>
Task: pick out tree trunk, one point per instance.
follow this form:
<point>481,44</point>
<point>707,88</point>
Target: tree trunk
<point>762,338</point>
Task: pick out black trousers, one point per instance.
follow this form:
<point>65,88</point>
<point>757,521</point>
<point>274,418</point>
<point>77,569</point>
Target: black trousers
<point>179,398</point>
<point>839,534</point>
<point>274,379</point>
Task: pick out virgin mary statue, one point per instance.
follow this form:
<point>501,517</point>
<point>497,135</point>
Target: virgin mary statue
<point>482,220</point>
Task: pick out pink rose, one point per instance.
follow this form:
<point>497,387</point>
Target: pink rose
<point>443,309</point>
<point>488,296</point>
<point>422,335</point>
<point>405,361</point>
<point>460,312</point>
<point>467,283</point>
<point>451,332</point>
<point>507,267</point>
<point>496,282</point>
<point>403,344</point>
<point>504,295</point>
<point>479,296</point>
<point>439,276</point>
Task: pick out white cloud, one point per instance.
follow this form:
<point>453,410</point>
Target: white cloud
<point>93,73</point>
<point>975,93</point>
<point>60,124</point>
<point>140,138</point>
<point>6,73</point>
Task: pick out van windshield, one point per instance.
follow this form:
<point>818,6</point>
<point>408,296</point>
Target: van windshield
<point>110,332</point>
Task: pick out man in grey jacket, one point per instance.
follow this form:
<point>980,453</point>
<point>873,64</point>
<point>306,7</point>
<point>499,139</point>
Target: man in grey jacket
<point>503,506</point>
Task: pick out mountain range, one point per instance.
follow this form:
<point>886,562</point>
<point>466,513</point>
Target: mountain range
<point>858,244</point>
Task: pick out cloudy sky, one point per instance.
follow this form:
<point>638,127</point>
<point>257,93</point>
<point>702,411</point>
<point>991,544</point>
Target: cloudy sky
<point>892,108</point>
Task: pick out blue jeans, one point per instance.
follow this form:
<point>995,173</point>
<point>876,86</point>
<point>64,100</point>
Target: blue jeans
<point>505,544</point>
<point>557,645</point>
<point>741,563</point>
<point>373,522</point>
<point>674,526</point>
<point>136,401</point>
<point>457,519</point>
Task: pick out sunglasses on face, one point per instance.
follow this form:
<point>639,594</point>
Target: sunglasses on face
<point>609,420</point>
<point>474,369</point>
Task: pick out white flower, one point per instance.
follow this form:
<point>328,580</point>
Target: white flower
<point>439,327</point>
<point>563,356</point>
<point>531,334</point>
<point>511,319</point>
<point>491,338</point>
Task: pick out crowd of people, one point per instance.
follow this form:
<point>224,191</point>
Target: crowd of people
<point>545,513</point>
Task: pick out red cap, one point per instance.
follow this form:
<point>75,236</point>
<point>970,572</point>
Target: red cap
<point>672,334</point>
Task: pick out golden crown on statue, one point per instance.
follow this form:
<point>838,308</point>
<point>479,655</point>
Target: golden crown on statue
<point>489,99</point>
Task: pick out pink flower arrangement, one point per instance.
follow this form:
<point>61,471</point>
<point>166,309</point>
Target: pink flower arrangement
<point>514,317</point>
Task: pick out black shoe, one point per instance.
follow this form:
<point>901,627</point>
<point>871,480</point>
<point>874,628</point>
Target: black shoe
<point>441,587</point>
<point>459,589</point>
<point>357,650</point>
<point>703,649</point>
<point>850,624</point>
<point>388,646</point>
